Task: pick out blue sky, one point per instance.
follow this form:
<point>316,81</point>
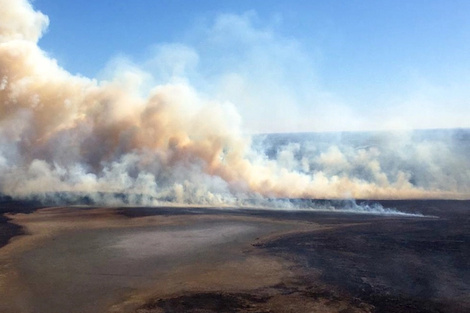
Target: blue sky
<point>286,65</point>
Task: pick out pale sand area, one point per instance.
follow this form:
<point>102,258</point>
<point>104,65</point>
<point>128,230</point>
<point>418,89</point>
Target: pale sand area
<point>95,260</point>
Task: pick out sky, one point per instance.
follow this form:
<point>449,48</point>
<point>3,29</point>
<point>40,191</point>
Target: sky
<point>287,66</point>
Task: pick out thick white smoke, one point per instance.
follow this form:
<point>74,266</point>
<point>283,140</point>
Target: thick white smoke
<point>66,133</point>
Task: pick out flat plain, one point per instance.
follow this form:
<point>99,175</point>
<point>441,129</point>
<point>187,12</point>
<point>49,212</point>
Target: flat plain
<point>196,259</point>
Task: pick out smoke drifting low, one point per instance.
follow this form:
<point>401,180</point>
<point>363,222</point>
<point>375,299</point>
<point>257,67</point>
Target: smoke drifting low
<point>66,133</point>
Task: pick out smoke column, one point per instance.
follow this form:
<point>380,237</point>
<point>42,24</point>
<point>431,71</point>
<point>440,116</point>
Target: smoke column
<point>66,133</point>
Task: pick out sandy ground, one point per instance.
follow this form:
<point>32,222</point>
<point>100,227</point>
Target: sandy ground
<point>75,260</point>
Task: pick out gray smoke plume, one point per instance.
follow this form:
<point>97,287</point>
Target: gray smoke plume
<point>65,133</point>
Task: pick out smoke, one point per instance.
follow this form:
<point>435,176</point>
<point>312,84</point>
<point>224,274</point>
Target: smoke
<point>168,142</point>
<point>378,165</point>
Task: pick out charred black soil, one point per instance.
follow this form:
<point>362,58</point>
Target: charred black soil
<point>362,263</point>
<point>8,205</point>
<point>206,302</point>
<point>394,264</point>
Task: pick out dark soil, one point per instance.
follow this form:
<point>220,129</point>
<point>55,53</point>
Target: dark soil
<point>394,264</point>
<point>367,263</point>
<point>206,302</point>
<point>9,205</point>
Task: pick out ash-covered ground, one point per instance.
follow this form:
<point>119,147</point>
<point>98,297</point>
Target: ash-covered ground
<point>393,264</point>
<point>361,263</point>
<point>243,260</point>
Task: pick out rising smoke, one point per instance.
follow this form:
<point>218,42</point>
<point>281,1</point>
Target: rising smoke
<point>65,133</point>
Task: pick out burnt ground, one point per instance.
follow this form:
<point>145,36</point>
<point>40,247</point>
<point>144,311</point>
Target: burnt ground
<point>9,205</point>
<point>362,263</point>
<point>359,263</point>
<point>395,265</point>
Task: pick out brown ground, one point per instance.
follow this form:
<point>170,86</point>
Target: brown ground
<point>231,260</point>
